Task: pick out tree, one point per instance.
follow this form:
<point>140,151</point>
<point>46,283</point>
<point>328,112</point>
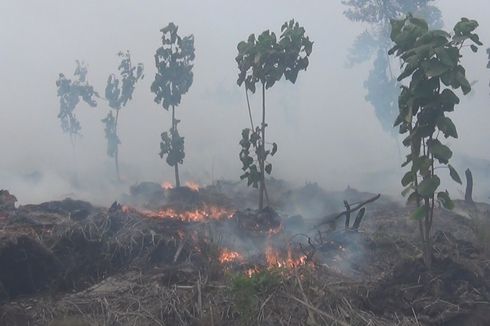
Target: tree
<point>118,92</point>
<point>174,62</point>
<point>70,92</point>
<point>431,58</point>
<point>381,85</point>
<point>265,60</point>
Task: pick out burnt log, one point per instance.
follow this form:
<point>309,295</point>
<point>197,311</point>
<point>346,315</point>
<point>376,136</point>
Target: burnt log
<point>468,196</point>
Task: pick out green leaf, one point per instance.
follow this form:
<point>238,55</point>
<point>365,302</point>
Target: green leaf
<point>268,168</point>
<point>274,149</point>
<point>461,79</point>
<point>422,165</point>
<point>454,174</point>
<point>448,98</point>
<point>445,200</point>
<point>435,68</point>
<point>419,213</point>
<point>448,56</point>
<point>408,178</point>
<point>447,127</point>
<point>441,152</point>
<point>428,186</point>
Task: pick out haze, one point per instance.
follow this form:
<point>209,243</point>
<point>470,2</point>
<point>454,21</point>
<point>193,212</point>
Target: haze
<point>326,131</point>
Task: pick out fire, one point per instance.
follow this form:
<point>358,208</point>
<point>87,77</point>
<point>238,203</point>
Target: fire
<point>274,259</point>
<point>166,185</point>
<point>204,213</point>
<point>192,185</point>
<point>230,256</point>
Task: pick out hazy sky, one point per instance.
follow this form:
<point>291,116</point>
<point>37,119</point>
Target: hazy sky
<point>325,130</point>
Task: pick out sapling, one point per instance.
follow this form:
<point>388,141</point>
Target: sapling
<point>118,92</point>
<point>70,92</point>
<point>265,60</point>
<point>431,59</point>
<point>174,62</point>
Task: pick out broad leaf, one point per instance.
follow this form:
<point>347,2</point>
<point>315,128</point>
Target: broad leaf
<point>441,152</point>
<point>454,174</point>
<point>447,127</point>
<point>428,186</point>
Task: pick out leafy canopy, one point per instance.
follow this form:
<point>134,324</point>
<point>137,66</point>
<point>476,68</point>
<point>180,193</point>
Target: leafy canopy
<point>251,142</point>
<point>382,11</point>
<point>172,145</point>
<point>174,62</point>
<point>110,129</point>
<point>70,92</point>
<point>432,59</point>
<point>382,87</point>
<point>265,59</point>
<point>119,90</point>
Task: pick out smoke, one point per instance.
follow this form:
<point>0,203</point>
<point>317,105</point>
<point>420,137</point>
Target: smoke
<point>326,131</point>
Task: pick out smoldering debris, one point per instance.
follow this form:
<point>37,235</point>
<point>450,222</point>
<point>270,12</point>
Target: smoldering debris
<point>97,262</point>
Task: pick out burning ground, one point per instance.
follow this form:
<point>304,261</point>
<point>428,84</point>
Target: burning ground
<point>197,256</point>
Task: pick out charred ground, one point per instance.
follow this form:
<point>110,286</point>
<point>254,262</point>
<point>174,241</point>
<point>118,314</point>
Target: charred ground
<point>197,256</point>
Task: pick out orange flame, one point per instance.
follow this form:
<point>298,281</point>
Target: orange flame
<point>192,185</point>
<point>166,185</point>
<point>207,212</point>
<point>273,259</point>
<point>230,256</point>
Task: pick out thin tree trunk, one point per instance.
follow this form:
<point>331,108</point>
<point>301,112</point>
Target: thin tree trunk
<point>249,109</point>
<point>174,129</point>
<point>116,154</point>
<point>262,154</point>
<point>427,243</point>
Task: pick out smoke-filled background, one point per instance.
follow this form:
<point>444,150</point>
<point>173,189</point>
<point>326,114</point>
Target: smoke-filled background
<point>326,130</point>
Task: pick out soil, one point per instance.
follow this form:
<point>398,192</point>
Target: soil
<point>70,263</point>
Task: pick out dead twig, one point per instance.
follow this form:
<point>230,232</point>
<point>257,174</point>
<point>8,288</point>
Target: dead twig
<point>331,219</point>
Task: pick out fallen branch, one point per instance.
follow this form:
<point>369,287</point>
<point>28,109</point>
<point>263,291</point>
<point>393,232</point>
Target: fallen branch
<point>332,219</point>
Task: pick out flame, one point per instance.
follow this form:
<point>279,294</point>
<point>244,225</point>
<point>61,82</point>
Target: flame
<point>166,185</point>
<point>204,213</point>
<point>230,256</point>
<point>192,185</point>
<point>274,259</point>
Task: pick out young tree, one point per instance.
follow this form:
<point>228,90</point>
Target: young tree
<point>174,62</point>
<point>431,58</point>
<point>265,60</point>
<point>118,92</point>
<point>70,92</point>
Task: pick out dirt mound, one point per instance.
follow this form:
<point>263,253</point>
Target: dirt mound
<point>455,292</point>
<point>26,266</point>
